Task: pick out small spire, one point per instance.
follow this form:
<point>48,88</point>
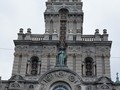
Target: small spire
<point>117,78</point>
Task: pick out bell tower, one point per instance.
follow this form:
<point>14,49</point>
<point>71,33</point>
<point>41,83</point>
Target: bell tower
<point>64,17</point>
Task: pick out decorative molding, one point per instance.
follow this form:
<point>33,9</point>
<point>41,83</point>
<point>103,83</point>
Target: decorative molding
<point>103,51</point>
<point>74,49</point>
<point>59,75</point>
<point>49,50</point>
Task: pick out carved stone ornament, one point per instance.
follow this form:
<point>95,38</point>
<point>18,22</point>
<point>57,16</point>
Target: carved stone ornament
<point>71,78</point>
<point>59,75</point>
<point>88,50</point>
<point>103,51</point>
<point>21,47</point>
<point>74,49</point>
<point>50,8</point>
<point>49,50</point>
<point>104,87</point>
<point>35,48</point>
<point>16,78</point>
<point>14,85</point>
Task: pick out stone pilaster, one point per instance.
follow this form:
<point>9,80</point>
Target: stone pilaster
<point>78,65</point>
<point>44,65</point>
<point>99,66</point>
<point>52,62</point>
<point>107,66</point>
<point>70,61</point>
<point>15,64</point>
<point>23,65</point>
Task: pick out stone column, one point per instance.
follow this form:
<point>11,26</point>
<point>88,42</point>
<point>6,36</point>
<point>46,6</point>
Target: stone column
<point>94,69</point>
<point>28,68</point>
<point>39,68</point>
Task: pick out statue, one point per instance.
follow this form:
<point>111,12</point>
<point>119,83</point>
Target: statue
<point>61,57</point>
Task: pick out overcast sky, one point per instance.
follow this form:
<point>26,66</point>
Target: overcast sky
<point>15,14</point>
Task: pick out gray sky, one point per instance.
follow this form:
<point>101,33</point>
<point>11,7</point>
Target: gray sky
<point>15,14</point>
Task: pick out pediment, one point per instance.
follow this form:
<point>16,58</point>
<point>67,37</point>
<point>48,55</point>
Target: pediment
<point>15,86</point>
<point>16,78</point>
<point>104,80</point>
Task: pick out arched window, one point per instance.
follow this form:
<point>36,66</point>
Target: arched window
<point>60,86</point>
<point>51,26</point>
<point>89,66</point>
<point>74,25</point>
<point>34,65</point>
<point>63,13</point>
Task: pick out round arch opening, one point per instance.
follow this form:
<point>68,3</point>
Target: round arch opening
<point>60,86</point>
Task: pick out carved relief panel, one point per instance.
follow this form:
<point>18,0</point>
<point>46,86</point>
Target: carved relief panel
<point>74,50</point>
<point>59,75</point>
<point>102,51</point>
<point>49,50</point>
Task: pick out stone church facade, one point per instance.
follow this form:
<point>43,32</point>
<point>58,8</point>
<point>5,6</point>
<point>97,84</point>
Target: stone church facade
<point>62,58</point>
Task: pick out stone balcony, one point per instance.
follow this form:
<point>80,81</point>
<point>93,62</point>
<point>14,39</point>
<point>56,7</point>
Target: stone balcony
<point>70,36</point>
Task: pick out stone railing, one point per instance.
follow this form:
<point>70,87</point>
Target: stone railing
<point>94,37</point>
<point>36,37</point>
<point>70,36</point>
<point>88,37</point>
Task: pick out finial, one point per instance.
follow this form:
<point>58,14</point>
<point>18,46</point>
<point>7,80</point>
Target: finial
<point>97,31</point>
<point>104,31</point>
<point>21,30</point>
<point>28,30</point>
<point>117,78</point>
